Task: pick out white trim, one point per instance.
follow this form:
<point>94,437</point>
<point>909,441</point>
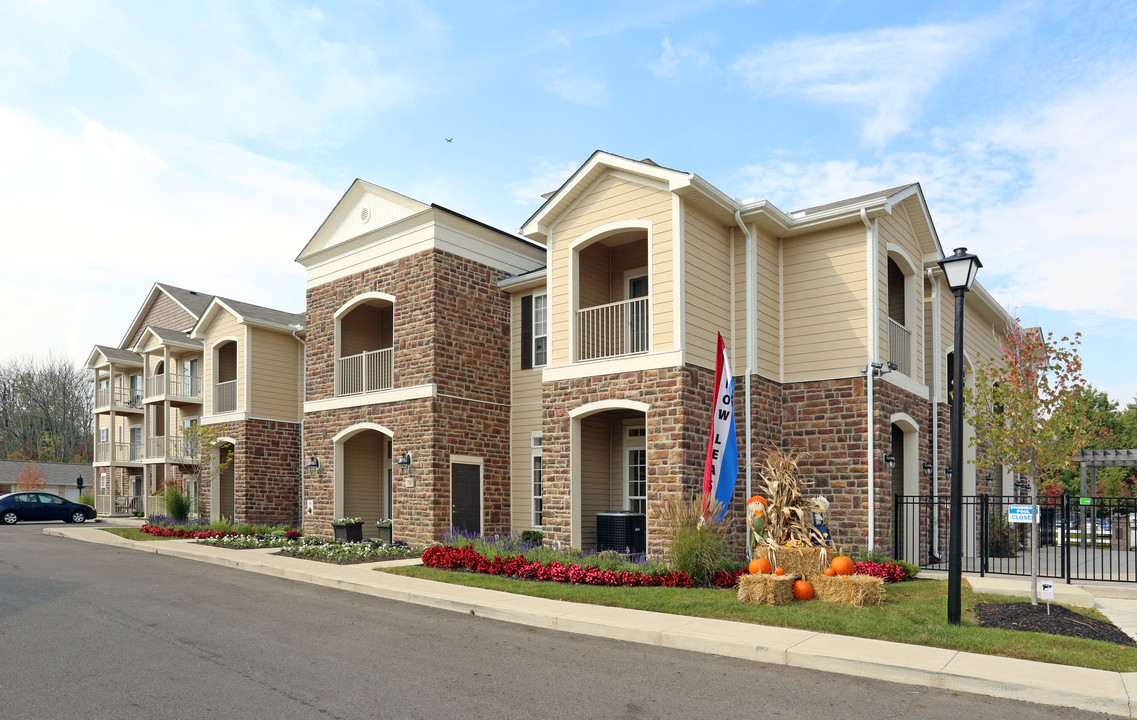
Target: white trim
<point>235,416</point>
<point>592,408</point>
<point>678,286</point>
<point>904,382</point>
<point>533,332</point>
<point>634,363</point>
<point>382,397</point>
<point>357,428</point>
<point>361,299</point>
<point>611,228</point>
<point>248,368</point>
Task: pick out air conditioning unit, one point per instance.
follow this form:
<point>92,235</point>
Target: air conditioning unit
<point>622,531</point>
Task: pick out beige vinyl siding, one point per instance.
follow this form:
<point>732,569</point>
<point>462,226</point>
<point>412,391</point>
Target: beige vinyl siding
<point>224,325</point>
<point>707,287</point>
<point>897,229</point>
<point>596,450</point>
<point>363,479</point>
<point>525,419</point>
<point>276,376</point>
<point>151,343</point>
<point>768,305</point>
<point>982,333</point>
<point>610,200</point>
<point>826,326</point>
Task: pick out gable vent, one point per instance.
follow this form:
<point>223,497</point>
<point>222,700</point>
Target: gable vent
<point>365,214</point>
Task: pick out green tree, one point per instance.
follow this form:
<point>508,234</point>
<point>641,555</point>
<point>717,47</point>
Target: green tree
<point>1030,410</point>
<point>201,448</point>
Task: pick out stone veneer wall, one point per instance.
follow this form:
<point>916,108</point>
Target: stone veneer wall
<point>676,438</point>
<point>450,329</point>
<point>266,472</point>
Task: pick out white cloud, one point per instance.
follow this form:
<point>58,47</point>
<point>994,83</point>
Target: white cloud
<point>547,177</point>
<point>883,74</point>
<point>671,58</point>
<point>576,88</point>
<point>90,217</point>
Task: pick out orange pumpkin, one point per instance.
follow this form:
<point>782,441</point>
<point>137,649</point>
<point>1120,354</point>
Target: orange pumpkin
<point>779,571</point>
<point>830,572</point>
<point>803,590</point>
<point>759,566</point>
<point>843,565</point>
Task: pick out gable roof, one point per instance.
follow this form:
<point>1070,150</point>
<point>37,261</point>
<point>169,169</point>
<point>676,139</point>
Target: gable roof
<point>53,473</point>
<point>178,338</point>
<point>249,314</point>
<point>191,301</point>
<point>104,354</point>
<point>390,207</point>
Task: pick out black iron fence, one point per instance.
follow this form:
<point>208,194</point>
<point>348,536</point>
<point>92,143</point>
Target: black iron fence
<point>1079,539</point>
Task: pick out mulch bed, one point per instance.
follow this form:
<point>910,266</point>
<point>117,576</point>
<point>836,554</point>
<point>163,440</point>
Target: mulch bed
<point>1060,621</point>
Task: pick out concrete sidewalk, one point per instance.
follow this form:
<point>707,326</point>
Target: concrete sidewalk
<point>1094,690</point>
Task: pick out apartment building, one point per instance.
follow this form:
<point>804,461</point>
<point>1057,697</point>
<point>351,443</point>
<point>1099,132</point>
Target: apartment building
<point>190,358</point>
<point>460,375</point>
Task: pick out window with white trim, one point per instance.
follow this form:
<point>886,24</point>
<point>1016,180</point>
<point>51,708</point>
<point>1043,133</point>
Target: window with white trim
<point>540,329</point>
<point>538,488</point>
<point>635,469</point>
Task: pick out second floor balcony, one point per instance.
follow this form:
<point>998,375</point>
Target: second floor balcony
<point>613,329</point>
<point>365,372</point>
<point>900,346</point>
<point>183,388</point>
<point>225,397</point>
<point>118,452</point>
<point>122,399</point>
<point>174,449</point>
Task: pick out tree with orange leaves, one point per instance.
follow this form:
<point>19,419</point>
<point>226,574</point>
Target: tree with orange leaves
<point>30,478</point>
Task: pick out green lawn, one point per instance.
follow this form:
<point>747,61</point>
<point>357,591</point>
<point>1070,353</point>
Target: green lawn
<point>915,612</point>
<point>135,534</point>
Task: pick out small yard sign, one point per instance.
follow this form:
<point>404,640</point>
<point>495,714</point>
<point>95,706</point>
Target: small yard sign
<point>1084,501</point>
<point>1019,513</point>
<point>1046,590</point>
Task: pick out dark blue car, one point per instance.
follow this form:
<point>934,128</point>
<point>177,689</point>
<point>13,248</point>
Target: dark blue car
<point>41,506</point>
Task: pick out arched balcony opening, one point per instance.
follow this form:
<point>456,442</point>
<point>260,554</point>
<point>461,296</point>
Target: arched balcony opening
<point>612,295</point>
<point>225,377</point>
<point>899,332</point>
<point>365,346</point>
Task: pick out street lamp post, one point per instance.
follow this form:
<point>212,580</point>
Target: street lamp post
<point>959,270</point>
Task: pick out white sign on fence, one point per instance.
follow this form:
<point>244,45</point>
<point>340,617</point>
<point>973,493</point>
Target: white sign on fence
<point>1019,513</point>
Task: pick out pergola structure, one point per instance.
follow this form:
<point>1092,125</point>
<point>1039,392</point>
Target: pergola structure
<point>1093,459</point>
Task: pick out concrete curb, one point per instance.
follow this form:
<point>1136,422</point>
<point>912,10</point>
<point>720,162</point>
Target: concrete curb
<point>1036,682</point>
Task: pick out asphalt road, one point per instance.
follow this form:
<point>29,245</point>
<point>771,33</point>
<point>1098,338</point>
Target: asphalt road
<point>91,631</point>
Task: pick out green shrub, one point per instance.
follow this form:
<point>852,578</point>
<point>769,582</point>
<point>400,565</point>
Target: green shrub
<point>221,525</point>
<point>178,502</point>
<point>697,549</point>
<point>1002,537</point>
<point>532,537</point>
<point>86,499</point>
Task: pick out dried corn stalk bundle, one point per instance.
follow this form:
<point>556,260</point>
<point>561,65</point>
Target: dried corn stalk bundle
<point>789,515</point>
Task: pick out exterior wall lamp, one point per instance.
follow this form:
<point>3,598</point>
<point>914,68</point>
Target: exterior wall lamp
<point>313,464</point>
<point>890,460</point>
<point>404,461</point>
<point>927,467</point>
<point>959,270</point>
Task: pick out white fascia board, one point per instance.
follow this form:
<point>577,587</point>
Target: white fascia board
<point>338,212</point>
<point>381,397</point>
<point>188,344</point>
<point>96,359</point>
<point>154,290</point>
<point>767,209</point>
<point>614,366</point>
<point>215,306</point>
<point>537,278</point>
<point>535,224</point>
<point>845,213</point>
<point>407,224</point>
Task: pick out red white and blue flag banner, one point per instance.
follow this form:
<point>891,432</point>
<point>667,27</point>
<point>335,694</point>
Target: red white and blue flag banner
<point>721,470</point>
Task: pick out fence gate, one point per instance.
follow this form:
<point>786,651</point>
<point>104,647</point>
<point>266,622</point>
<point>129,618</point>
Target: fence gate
<point>1079,538</point>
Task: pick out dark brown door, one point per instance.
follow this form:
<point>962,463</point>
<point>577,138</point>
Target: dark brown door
<point>466,497</point>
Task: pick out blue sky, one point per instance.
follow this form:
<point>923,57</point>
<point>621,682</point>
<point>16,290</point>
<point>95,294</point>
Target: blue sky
<point>202,144</point>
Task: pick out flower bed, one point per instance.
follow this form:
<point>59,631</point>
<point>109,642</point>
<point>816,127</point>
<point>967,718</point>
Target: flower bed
<point>466,558</point>
<point>889,572</point>
<point>347,553</point>
<point>251,542</point>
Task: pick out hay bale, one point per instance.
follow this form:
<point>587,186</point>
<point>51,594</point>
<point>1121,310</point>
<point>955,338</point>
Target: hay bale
<point>856,590</point>
<point>766,589</point>
<point>803,561</point>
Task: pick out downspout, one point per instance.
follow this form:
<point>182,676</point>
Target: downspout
<point>751,345</point>
<point>303,400</point>
<point>936,370</point>
<point>870,371</point>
